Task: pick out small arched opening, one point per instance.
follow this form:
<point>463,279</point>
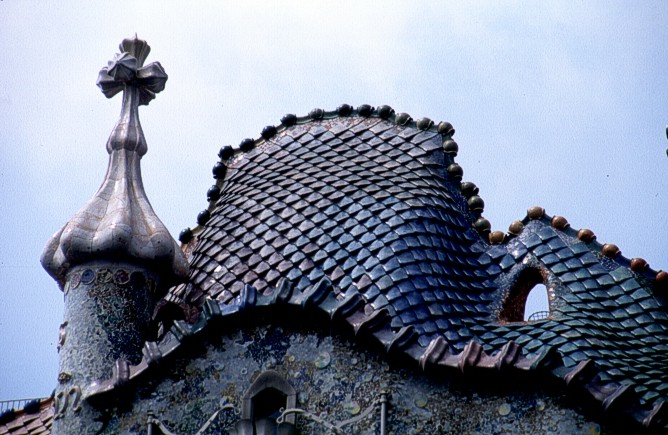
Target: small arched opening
<point>262,405</point>
<point>268,404</point>
<point>527,299</point>
<point>538,304</point>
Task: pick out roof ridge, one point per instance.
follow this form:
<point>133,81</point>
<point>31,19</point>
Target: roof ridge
<point>355,312</point>
<point>613,397</point>
<point>468,189</point>
<point>587,236</point>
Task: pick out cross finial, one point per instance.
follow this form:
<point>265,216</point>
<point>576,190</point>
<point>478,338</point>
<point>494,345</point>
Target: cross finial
<point>118,223</point>
<point>126,72</point>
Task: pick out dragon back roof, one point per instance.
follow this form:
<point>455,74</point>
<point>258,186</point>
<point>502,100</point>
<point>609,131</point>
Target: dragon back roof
<point>372,201</point>
<point>362,213</point>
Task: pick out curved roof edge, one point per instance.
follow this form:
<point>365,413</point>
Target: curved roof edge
<point>582,382</point>
<point>469,189</point>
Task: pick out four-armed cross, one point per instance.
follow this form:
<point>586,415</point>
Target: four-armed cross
<point>139,85</point>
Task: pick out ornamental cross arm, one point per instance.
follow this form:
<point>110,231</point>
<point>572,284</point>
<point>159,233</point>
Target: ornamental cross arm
<point>118,223</point>
<point>126,70</point>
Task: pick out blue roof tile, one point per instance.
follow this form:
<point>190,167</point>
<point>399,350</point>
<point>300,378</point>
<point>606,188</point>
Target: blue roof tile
<point>369,209</point>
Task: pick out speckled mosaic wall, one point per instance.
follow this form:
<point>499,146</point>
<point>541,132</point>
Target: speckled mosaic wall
<point>107,307</point>
<point>106,314</point>
<point>336,380</point>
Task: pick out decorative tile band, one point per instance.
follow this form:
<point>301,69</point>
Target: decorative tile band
<point>105,275</point>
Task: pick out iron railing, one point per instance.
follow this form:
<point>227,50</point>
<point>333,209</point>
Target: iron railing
<point>17,404</point>
<point>538,315</point>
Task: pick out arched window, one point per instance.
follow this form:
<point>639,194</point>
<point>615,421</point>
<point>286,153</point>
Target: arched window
<point>527,299</point>
<point>538,304</point>
<point>267,404</point>
<point>262,405</point>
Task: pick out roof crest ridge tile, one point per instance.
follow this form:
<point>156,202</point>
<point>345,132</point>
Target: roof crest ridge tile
<point>384,112</point>
<point>614,398</point>
<point>609,250</point>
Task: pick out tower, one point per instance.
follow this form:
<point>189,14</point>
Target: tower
<point>115,258</point>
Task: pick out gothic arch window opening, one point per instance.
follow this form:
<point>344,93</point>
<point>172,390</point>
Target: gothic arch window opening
<point>268,404</point>
<point>538,304</point>
<point>263,403</point>
<point>527,299</point>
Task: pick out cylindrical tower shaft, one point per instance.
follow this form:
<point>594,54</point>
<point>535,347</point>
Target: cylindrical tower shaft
<point>114,259</point>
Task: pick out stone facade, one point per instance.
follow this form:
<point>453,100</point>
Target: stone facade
<point>337,379</point>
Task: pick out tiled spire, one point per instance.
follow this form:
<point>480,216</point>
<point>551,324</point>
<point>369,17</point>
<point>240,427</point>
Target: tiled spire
<point>118,223</point>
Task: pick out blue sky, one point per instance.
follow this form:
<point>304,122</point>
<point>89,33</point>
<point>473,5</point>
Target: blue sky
<point>558,104</point>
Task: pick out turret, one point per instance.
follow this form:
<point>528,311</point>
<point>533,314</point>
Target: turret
<point>114,259</point>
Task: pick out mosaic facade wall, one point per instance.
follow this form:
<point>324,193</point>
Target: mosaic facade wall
<point>336,381</point>
<point>106,312</point>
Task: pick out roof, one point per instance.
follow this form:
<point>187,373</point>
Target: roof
<point>373,203</point>
<point>361,215</point>
<point>35,418</point>
<point>361,200</point>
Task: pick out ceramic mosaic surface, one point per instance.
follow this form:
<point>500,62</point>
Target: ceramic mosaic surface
<point>373,202</point>
<point>341,265</point>
<point>359,216</point>
<point>337,380</point>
